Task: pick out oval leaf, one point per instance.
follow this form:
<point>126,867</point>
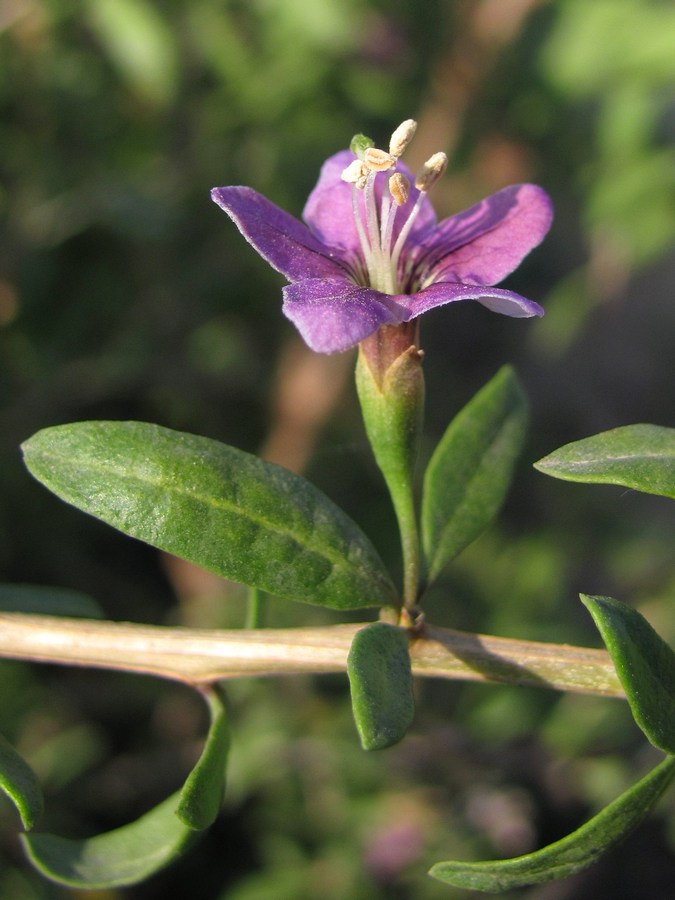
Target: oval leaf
<point>644,663</point>
<point>202,793</point>
<point>48,601</point>
<point>468,475</point>
<point>223,509</point>
<point>126,855</point>
<point>380,679</point>
<point>20,783</point>
<point>569,855</point>
<point>641,457</point>
<point>139,42</point>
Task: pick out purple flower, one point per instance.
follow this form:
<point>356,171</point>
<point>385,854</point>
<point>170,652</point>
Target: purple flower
<point>371,252</point>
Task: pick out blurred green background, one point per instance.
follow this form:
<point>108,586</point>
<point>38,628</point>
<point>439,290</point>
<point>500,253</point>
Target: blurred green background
<point>125,293</point>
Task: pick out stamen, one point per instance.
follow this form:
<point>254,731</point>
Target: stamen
<point>384,215</point>
<point>431,171</point>
<point>399,188</point>
<point>378,160</point>
<point>375,226</point>
<point>402,137</point>
<point>405,231</point>
<point>372,228</point>
<point>387,228</point>
<point>356,173</point>
<point>363,238</point>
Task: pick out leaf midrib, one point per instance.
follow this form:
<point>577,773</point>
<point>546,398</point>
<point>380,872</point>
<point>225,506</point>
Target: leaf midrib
<point>337,561</point>
<point>606,458</point>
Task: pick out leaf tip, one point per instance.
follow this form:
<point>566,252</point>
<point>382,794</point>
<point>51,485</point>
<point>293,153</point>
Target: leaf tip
<point>544,464</point>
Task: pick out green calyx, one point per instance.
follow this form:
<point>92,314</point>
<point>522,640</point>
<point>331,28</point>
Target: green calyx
<point>390,387</point>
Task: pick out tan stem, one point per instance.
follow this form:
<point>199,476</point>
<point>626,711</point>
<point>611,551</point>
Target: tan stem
<point>197,656</point>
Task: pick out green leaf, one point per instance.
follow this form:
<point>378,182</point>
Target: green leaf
<point>641,457</point>
<point>136,851</point>
<point>569,855</point>
<point>48,601</point>
<point>140,42</point>
<point>225,510</point>
<point>380,679</point>
<point>468,475</point>
<point>20,783</point>
<point>644,663</point>
<point>202,793</point>
<point>126,855</point>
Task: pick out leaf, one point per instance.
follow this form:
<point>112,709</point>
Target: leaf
<point>136,851</point>
<point>140,43</point>
<point>202,793</point>
<point>225,510</point>
<point>20,783</point>
<point>380,679</point>
<point>641,457</point>
<point>48,601</point>
<point>569,855</point>
<point>468,475</point>
<point>644,663</point>
<point>124,856</point>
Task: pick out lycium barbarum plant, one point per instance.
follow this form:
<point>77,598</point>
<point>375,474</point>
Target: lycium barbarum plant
<point>370,260</point>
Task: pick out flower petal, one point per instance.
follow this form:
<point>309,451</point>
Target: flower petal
<point>329,212</point>
<point>334,314</point>
<point>508,303</point>
<point>279,238</point>
<point>483,244</point>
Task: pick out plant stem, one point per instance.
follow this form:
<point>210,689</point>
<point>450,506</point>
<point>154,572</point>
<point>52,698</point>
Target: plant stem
<point>256,607</point>
<point>406,515</point>
<point>198,656</point>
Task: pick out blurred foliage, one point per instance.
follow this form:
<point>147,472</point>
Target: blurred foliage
<point>124,293</point>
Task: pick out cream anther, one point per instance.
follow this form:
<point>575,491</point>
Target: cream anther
<point>356,173</point>
<point>378,160</point>
<point>431,171</point>
<point>402,137</point>
<point>399,188</point>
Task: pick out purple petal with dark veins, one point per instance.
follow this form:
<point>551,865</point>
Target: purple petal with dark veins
<point>508,303</point>
<point>334,314</point>
<point>279,238</point>
<point>485,243</point>
<point>329,212</point>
